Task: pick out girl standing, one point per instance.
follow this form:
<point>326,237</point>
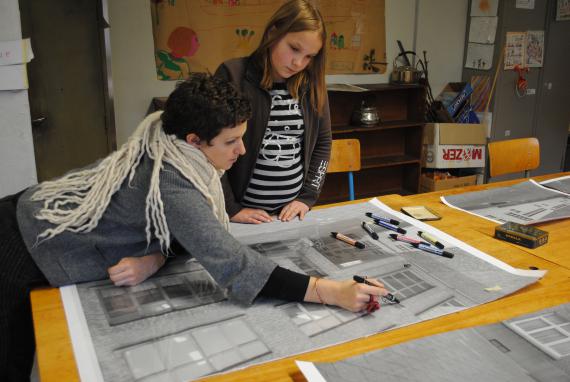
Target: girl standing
<point>288,138</point>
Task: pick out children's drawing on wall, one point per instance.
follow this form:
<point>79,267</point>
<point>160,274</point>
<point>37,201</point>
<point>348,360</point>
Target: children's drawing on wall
<point>172,64</point>
<point>244,36</point>
<point>514,49</point>
<point>479,56</point>
<point>484,7</point>
<point>198,35</point>
<point>483,29</point>
<point>534,49</point>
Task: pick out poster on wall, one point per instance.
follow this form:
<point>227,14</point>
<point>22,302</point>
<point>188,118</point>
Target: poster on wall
<point>514,49</point>
<point>484,7</point>
<point>563,10</point>
<point>479,56</point>
<point>524,4</point>
<point>198,35</point>
<point>483,29</point>
<point>534,49</point>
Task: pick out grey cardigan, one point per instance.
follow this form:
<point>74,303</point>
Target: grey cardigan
<point>78,257</point>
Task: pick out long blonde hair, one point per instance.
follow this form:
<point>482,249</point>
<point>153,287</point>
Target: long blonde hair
<point>295,16</point>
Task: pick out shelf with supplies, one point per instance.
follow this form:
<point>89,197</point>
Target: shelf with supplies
<point>390,150</point>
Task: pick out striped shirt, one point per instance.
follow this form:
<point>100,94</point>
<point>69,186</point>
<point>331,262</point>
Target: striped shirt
<point>278,173</point>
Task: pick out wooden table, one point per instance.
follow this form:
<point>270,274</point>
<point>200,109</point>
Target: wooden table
<point>55,355</point>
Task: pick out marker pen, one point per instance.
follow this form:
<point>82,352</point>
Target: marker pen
<point>386,220</point>
<point>406,239</point>
<point>435,251</point>
<point>362,280</point>
<point>347,240</point>
<point>370,230</point>
<point>389,226</point>
<point>429,238</point>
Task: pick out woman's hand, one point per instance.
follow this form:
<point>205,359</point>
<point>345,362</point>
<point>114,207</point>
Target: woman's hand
<point>347,294</point>
<point>251,216</point>
<point>134,270</point>
<point>293,209</point>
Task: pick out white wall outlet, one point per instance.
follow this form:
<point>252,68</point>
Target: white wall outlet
<point>507,133</point>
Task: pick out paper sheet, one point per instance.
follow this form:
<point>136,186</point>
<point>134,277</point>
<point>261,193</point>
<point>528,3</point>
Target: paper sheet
<point>479,56</point>
<point>534,49</point>
<point>15,52</point>
<point>13,77</point>
<point>561,184</point>
<point>497,352</point>
<point>514,50</point>
<point>484,7</point>
<point>524,203</point>
<point>173,327</point>
<point>483,29</point>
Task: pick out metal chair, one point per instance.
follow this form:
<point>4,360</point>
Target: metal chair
<point>513,155</point>
<point>345,157</point>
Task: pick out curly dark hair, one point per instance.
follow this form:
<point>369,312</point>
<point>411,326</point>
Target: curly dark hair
<point>204,105</point>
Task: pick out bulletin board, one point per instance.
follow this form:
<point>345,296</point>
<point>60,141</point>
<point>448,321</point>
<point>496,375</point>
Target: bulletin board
<point>198,35</point>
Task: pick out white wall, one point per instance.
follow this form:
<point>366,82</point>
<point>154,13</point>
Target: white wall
<point>134,73</point>
<point>441,32</point>
<point>17,161</point>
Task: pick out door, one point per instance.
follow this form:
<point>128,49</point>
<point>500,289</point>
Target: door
<point>68,96</point>
<point>553,117</point>
<point>513,115</point>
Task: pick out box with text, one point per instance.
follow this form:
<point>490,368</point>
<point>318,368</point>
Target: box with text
<point>454,145</point>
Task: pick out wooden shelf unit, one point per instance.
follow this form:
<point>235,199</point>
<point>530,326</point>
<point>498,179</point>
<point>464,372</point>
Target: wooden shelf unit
<point>390,151</point>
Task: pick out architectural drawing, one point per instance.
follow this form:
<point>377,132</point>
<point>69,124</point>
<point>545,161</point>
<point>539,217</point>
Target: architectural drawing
<point>561,184</point>
<point>533,348</point>
<point>178,325</point>
<point>524,203</point>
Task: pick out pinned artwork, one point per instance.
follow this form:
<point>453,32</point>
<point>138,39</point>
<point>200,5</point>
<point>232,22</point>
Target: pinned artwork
<point>197,36</point>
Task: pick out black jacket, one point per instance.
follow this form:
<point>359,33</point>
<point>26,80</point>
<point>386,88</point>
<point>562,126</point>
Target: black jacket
<point>316,143</point>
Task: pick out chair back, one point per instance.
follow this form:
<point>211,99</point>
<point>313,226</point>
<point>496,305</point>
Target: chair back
<point>345,157</point>
<point>513,155</point>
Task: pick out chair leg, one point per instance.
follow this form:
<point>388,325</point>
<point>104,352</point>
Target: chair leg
<point>350,185</point>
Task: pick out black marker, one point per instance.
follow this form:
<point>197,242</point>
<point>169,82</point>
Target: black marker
<point>435,251</point>
<point>370,230</point>
<point>389,226</point>
<point>362,280</point>
<point>430,239</point>
<point>376,217</point>
<point>347,240</point>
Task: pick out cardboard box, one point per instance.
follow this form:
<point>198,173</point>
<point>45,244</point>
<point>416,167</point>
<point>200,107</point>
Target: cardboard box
<point>428,184</point>
<point>454,145</point>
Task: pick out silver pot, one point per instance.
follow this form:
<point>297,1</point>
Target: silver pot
<point>405,75</point>
<point>365,115</point>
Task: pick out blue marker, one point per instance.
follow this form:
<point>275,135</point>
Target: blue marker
<point>382,223</point>
<point>386,220</point>
<point>434,250</point>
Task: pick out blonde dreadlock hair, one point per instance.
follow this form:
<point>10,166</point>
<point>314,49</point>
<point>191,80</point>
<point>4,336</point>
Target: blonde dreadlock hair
<point>89,191</point>
<point>202,105</point>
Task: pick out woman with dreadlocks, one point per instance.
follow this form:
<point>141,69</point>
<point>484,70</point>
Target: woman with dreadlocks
<point>118,218</point>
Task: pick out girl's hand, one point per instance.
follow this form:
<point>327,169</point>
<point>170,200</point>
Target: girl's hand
<point>251,216</point>
<point>131,271</point>
<point>291,210</point>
